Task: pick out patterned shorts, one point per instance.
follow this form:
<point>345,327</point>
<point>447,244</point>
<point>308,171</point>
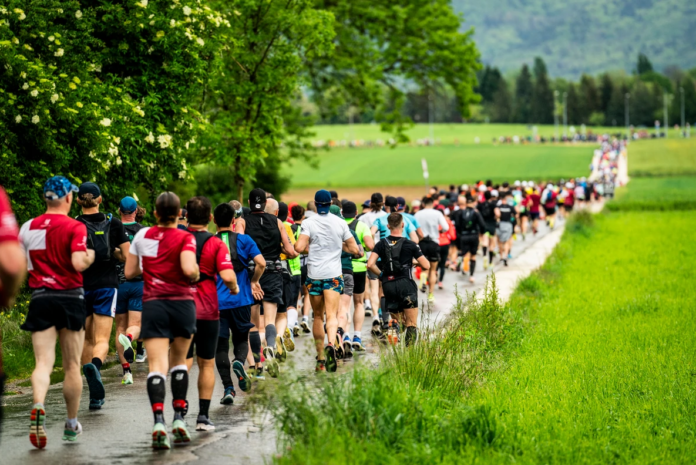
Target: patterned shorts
<point>318,286</point>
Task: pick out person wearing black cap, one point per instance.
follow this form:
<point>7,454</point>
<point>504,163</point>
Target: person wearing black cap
<point>379,226</point>
<point>268,232</point>
<point>104,235</point>
<point>324,237</point>
<point>129,302</point>
<point>401,208</point>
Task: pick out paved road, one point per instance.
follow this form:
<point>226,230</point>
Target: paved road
<point>120,432</point>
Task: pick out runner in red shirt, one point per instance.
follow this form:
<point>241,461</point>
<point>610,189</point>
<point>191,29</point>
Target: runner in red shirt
<point>13,265</point>
<point>57,253</point>
<point>534,206</point>
<point>166,257</point>
<point>213,258</point>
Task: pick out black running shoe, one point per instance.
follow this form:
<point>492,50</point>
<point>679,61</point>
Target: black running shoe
<point>331,360</point>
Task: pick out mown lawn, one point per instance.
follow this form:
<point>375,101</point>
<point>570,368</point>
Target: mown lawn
<point>663,157</point>
<point>657,193</point>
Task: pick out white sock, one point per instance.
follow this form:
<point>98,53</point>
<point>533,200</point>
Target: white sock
<point>357,334</point>
<point>292,317</point>
<point>305,318</point>
<point>367,303</point>
<point>71,423</point>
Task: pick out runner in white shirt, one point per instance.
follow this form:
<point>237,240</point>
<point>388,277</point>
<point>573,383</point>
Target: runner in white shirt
<point>431,222</point>
<point>324,237</point>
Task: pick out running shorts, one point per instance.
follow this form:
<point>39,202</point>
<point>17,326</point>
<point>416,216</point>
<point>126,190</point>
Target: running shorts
<point>101,301</point>
<point>469,245</point>
<point>490,229</point>
<point>505,231</point>
<point>360,282</point>
<point>400,294</point>
<point>524,213</point>
<point>291,292</point>
<point>236,320</point>
<point>205,340</point>
<point>318,286</point>
<point>430,249</point>
<point>53,308</point>
<point>168,319</point>
<point>272,286</point>
<point>348,283</point>
<point>371,276</point>
<point>550,211</point>
<point>303,275</point>
<point>534,215</point>
<point>568,208</point>
<point>130,297</point>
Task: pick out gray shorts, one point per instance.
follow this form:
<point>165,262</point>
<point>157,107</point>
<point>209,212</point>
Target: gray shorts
<point>348,284</point>
<point>504,231</point>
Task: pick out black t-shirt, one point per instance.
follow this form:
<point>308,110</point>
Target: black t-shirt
<point>487,209</point>
<point>468,222</point>
<point>103,274</point>
<point>506,212</point>
<point>131,230</point>
<point>263,229</point>
<point>409,252</point>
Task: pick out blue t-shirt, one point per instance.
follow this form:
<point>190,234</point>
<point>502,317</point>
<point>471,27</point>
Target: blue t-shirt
<point>246,251</point>
<point>383,230</point>
<point>412,219</point>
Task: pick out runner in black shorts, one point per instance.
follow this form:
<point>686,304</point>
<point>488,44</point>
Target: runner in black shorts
<point>400,291</point>
<point>167,256</point>
<point>469,225</point>
<point>487,210</point>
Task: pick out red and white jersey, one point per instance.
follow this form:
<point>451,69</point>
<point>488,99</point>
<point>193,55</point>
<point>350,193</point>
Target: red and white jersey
<point>160,250</point>
<point>49,241</point>
<point>8,225</point>
<point>215,258</point>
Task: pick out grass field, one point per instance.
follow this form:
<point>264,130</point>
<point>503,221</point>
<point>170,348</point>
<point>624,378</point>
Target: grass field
<point>657,193</point>
<point>660,157</point>
<point>445,133</point>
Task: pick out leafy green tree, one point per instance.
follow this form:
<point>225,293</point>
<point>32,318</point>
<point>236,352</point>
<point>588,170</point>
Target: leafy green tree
<point>658,79</point>
<point>501,108</point>
<point>615,114</point>
<point>542,105</point>
<point>589,101</point>
<point>524,91</point>
<point>643,65</point>
<point>100,91</point>
<point>606,89</point>
<point>379,45</point>
<point>573,105</point>
<point>644,104</point>
<point>249,102</point>
<point>489,81</point>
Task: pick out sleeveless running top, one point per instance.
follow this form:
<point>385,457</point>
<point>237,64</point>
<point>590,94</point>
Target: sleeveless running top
<point>263,229</point>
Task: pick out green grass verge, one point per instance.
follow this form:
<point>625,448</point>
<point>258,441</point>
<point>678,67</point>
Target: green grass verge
<point>591,361</point>
<point>662,194</point>
<point>662,157</point>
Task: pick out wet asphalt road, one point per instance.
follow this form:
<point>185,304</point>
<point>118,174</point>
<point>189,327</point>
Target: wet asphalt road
<point>120,433</point>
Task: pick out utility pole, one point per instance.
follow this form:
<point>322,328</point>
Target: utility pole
<point>683,119</point>
<point>565,113</point>
<point>431,115</point>
<point>628,121</point>
<point>665,99</point>
<point>555,114</point>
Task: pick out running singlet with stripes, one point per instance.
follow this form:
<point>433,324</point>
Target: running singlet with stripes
<point>50,240</point>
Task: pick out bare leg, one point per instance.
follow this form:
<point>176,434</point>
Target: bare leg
<point>134,323</point>
<point>206,378</point>
<point>318,325</point>
<point>432,276</point>
<point>121,328</point>
<point>71,348</point>
<point>44,343</point>
<point>358,311</point>
<point>102,333</point>
<point>331,304</point>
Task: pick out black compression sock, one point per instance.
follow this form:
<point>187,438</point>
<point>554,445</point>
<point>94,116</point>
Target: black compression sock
<point>383,306</point>
<point>180,380</point>
<point>97,363</point>
<point>156,391</point>
<point>255,343</point>
<point>222,361</point>
<point>485,251</point>
<point>271,333</point>
<point>204,406</point>
<point>139,348</point>
<point>472,267</point>
<point>241,346</point>
<point>411,335</point>
<point>490,257</point>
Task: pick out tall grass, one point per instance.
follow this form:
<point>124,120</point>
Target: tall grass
<point>413,407</point>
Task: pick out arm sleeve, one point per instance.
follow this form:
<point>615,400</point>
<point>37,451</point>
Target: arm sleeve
<point>78,241</point>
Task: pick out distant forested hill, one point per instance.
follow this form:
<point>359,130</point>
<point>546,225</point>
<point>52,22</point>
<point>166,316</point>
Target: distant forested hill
<point>582,36</point>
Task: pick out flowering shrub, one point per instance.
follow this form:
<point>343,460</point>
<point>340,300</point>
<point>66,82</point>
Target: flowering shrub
<point>100,91</point>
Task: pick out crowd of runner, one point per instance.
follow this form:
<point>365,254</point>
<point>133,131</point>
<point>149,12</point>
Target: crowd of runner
<point>270,273</point>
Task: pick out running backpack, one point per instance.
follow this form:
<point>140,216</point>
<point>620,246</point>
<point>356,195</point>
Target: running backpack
<point>466,223</point>
<point>201,238</point>
<point>230,240</point>
<point>486,210</point>
<point>392,268</point>
<point>98,238</point>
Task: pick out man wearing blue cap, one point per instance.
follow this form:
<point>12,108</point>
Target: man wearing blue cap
<point>57,253</point>
<point>104,234</point>
<point>129,302</point>
<point>324,237</point>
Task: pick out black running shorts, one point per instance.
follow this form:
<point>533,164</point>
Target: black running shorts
<point>168,319</point>
<point>550,211</point>
<point>59,309</point>
<point>469,244</point>
<point>400,294</point>
<point>205,340</point>
<point>430,249</point>
<point>272,286</point>
<point>236,320</point>
<point>490,228</point>
<point>359,286</point>
<point>291,292</point>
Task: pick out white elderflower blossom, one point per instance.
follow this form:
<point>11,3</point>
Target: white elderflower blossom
<point>118,160</point>
<point>35,119</point>
<point>182,174</point>
<point>54,98</point>
<point>187,11</point>
<point>78,14</point>
<point>142,4</point>
<point>91,155</point>
<point>34,93</point>
<point>150,139</point>
<point>200,42</point>
<point>23,75</point>
<point>51,38</point>
<point>105,122</point>
<point>117,140</point>
<point>113,150</point>
<point>164,140</point>
<point>60,52</point>
<point>139,111</point>
<point>25,86</point>
<point>172,23</point>
<point>18,119</point>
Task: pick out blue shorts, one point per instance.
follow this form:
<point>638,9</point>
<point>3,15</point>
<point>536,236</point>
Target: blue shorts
<point>101,302</point>
<point>317,287</point>
<point>130,297</point>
